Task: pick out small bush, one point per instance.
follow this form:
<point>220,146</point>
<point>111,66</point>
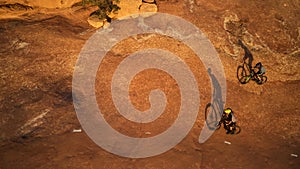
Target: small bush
<point>105,7</point>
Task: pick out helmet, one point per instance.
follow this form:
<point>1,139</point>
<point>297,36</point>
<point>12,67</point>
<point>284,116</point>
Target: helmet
<point>258,64</point>
<point>228,110</point>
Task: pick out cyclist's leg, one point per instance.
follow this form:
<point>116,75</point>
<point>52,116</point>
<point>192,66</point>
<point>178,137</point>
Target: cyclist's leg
<point>255,74</point>
<point>231,128</point>
<point>227,127</point>
<point>259,76</point>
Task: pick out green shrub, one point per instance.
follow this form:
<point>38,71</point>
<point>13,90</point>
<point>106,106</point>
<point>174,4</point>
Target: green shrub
<point>105,7</point>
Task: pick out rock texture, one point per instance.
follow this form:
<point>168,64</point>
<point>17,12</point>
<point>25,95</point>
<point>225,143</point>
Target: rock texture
<point>39,48</point>
<point>43,3</point>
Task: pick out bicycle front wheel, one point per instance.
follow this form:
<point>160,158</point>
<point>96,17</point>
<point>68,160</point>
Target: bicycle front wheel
<point>212,116</point>
<point>242,75</point>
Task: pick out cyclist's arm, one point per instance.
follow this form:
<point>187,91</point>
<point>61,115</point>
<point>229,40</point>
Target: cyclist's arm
<point>223,118</point>
<point>255,70</point>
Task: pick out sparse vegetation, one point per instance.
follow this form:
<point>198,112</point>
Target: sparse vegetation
<point>105,7</point>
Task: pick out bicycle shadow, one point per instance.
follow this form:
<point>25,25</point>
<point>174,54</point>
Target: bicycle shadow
<point>213,111</point>
<point>212,115</point>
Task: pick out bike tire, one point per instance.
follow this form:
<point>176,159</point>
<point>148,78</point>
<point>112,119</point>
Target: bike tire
<point>263,80</point>
<point>207,110</point>
<point>241,75</point>
<point>237,129</point>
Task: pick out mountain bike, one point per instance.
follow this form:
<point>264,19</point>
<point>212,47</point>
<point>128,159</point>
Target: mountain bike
<point>235,128</point>
<point>245,74</point>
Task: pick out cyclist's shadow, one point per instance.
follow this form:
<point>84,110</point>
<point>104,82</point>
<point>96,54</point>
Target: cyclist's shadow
<point>213,110</point>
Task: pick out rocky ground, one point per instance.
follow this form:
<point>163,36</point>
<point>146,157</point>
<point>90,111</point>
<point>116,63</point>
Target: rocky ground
<point>39,49</point>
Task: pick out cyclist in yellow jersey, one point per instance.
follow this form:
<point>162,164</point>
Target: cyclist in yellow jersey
<point>227,120</point>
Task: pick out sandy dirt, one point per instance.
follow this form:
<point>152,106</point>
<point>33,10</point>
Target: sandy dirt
<point>39,48</point>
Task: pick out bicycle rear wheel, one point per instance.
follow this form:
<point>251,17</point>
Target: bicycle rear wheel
<point>263,80</point>
<point>237,129</point>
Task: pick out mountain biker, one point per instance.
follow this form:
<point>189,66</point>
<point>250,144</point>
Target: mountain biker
<point>259,70</point>
<point>226,119</point>
<point>248,54</point>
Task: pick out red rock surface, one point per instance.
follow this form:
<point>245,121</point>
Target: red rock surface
<point>38,52</point>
